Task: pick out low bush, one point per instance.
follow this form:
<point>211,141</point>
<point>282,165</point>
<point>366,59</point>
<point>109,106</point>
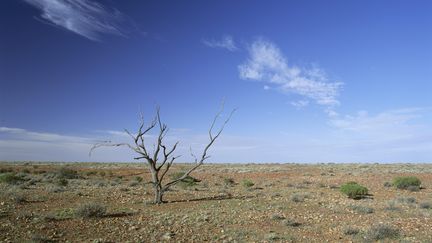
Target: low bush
<point>11,178</point>
<point>299,197</point>
<point>247,183</point>
<point>62,182</point>
<point>291,223</point>
<point>350,231</point>
<point>67,173</point>
<point>229,182</point>
<point>381,232</point>
<point>189,181</point>
<point>405,182</point>
<point>19,198</point>
<point>354,190</point>
<point>391,206</point>
<point>425,205</point>
<point>5,170</point>
<point>388,184</point>
<point>362,209</point>
<point>90,173</point>
<point>91,210</point>
<point>407,200</point>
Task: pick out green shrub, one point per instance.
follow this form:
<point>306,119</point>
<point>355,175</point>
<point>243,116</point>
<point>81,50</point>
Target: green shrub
<point>19,198</point>
<point>229,181</point>
<point>405,182</point>
<point>11,178</point>
<point>91,210</point>
<point>247,183</point>
<point>188,181</point>
<point>90,173</point>
<point>138,178</point>
<point>25,170</point>
<point>5,170</point>
<point>354,190</point>
<point>102,173</point>
<point>67,173</point>
<point>62,182</point>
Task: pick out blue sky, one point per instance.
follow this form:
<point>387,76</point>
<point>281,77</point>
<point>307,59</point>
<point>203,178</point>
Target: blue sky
<point>314,81</point>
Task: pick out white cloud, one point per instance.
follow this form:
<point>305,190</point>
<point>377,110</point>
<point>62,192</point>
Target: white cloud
<point>227,42</point>
<point>266,63</point>
<point>299,103</point>
<point>83,17</point>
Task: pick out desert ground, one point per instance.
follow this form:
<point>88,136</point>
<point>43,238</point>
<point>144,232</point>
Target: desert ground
<point>49,202</point>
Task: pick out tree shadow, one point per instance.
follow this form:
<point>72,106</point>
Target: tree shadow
<point>363,197</point>
<point>212,198</point>
<point>118,214</point>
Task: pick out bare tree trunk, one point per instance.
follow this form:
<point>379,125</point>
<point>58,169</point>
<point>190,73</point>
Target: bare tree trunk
<point>158,195</point>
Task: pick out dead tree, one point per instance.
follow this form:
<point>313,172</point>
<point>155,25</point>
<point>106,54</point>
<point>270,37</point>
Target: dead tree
<point>161,159</point>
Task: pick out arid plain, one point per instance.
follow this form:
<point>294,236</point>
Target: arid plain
<point>112,202</point>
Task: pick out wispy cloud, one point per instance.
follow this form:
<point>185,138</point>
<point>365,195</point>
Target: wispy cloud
<point>227,42</point>
<point>363,122</point>
<point>22,134</point>
<point>83,17</point>
<point>299,103</point>
<point>267,64</point>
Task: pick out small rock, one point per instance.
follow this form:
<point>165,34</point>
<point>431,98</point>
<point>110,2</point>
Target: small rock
<point>168,235</point>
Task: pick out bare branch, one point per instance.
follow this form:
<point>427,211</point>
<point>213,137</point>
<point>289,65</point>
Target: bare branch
<point>204,155</point>
<point>167,154</point>
<point>108,144</point>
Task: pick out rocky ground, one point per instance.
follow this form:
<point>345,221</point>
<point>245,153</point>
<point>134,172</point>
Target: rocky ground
<point>53,202</point>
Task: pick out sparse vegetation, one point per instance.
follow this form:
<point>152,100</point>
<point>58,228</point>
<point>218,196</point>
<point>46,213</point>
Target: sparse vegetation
<point>391,206</point>
<point>381,232</point>
<point>362,209</point>
<point>299,197</point>
<point>425,205</point>
<point>247,183</point>
<point>229,182</point>
<point>407,200</point>
<point>67,173</point>
<point>351,230</point>
<point>289,212</point>
<point>405,182</point>
<point>91,210</point>
<point>62,182</point>
<point>10,178</point>
<point>354,190</point>
<point>291,223</point>
<point>186,182</point>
